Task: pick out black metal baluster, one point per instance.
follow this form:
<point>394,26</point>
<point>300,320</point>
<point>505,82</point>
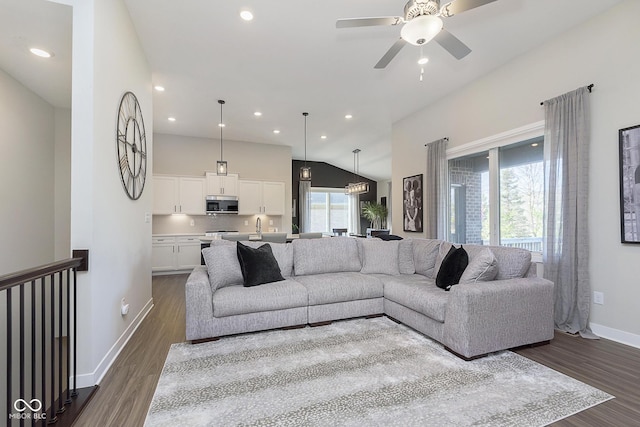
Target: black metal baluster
<point>68,400</point>
<point>43,344</point>
<point>21,349</point>
<point>33,344</point>
<point>9,351</point>
<point>61,406</point>
<point>75,330</point>
<point>52,374</point>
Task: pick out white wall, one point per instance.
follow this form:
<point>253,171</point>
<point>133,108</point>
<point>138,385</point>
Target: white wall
<point>26,177</point>
<point>601,51</point>
<point>107,61</point>
<point>183,155</point>
<point>62,183</point>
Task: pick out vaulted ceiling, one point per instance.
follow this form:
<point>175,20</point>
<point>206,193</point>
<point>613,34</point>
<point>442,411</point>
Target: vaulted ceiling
<point>289,59</point>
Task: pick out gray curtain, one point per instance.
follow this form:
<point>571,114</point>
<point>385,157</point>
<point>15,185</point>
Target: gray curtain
<point>566,245</point>
<point>304,205</point>
<point>436,184</point>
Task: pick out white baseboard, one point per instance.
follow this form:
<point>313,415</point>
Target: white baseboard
<point>93,378</point>
<point>616,335</point>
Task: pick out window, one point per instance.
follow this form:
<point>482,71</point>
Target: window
<point>329,209</point>
<point>497,196</point>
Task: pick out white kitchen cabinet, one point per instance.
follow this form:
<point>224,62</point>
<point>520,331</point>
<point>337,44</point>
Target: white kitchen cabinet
<point>273,198</point>
<point>163,257</point>
<point>188,252</point>
<point>175,253</point>
<point>222,185</point>
<point>249,197</point>
<point>179,194</point>
<point>260,197</point>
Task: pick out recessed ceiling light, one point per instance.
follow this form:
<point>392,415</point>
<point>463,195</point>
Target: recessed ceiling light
<point>159,88</point>
<point>535,144</point>
<point>39,52</point>
<point>257,114</point>
<point>348,116</point>
<point>172,119</point>
<point>246,15</point>
<point>221,125</point>
<point>276,131</point>
<point>323,137</point>
<point>423,60</point>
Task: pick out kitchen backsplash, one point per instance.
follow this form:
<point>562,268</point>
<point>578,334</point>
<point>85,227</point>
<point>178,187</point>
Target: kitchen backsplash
<point>181,224</point>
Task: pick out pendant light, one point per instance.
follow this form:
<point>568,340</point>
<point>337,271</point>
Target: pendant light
<point>356,187</point>
<point>305,171</point>
<point>221,165</point>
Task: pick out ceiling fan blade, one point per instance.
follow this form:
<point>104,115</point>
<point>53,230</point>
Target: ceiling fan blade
<point>459,6</point>
<point>368,22</point>
<point>391,53</point>
<point>452,44</point>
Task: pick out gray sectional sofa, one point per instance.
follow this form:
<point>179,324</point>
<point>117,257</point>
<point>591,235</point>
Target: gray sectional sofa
<point>499,303</point>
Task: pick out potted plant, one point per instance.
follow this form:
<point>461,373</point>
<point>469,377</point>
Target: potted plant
<point>376,213</point>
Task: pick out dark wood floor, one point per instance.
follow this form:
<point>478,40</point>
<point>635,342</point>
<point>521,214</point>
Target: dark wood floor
<point>127,389</point>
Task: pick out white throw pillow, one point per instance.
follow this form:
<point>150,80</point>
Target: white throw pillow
<point>483,267</point>
<point>379,256</point>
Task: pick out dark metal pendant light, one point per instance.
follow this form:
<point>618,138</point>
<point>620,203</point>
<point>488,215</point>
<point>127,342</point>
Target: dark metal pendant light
<point>221,165</point>
<point>305,171</point>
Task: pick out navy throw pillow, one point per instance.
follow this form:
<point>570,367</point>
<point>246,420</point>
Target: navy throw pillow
<point>452,267</point>
<point>258,266</point>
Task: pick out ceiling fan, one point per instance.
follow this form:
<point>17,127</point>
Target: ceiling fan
<point>421,23</point>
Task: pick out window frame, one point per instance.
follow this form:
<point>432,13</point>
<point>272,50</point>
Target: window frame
<point>328,190</point>
<point>492,145</point>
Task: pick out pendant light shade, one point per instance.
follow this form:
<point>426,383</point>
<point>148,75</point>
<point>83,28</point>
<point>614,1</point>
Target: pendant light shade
<point>356,187</point>
<point>221,165</point>
<point>305,171</point>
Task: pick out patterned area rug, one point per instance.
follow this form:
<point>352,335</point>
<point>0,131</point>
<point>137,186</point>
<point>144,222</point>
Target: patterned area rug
<point>365,372</point>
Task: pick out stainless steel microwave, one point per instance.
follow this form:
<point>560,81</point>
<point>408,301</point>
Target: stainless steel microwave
<point>222,205</point>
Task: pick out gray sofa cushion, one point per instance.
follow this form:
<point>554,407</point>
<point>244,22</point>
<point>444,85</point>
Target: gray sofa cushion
<point>235,300</point>
<point>283,252</point>
<point>482,267</point>
<point>405,257</point>
<point>425,252</point>
<point>222,265</point>
<point>325,255</point>
<point>330,288</point>
<point>379,256</point>
<point>417,293</point>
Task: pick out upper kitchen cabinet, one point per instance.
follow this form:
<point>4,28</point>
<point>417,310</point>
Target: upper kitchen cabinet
<point>179,194</point>
<point>222,185</point>
<point>260,197</point>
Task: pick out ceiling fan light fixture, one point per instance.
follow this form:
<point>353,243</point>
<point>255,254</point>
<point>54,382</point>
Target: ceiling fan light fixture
<point>421,30</point>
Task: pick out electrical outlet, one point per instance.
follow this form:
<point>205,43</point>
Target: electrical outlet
<point>147,217</point>
<point>192,223</point>
<point>270,222</point>
<point>598,297</point>
<point>246,222</point>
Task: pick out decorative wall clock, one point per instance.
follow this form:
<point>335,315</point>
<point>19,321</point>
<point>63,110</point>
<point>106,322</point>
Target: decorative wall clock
<point>131,142</point>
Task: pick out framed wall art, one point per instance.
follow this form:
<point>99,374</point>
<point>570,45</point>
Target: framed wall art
<point>412,203</point>
<point>629,140</point>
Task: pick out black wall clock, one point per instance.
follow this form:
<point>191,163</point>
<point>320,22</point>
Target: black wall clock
<point>131,143</point>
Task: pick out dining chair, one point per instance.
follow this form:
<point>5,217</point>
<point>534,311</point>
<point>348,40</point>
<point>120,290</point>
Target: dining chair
<point>310,235</point>
<point>274,237</point>
<point>235,237</point>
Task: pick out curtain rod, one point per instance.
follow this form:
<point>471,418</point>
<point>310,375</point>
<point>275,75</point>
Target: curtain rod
<point>446,138</point>
<point>588,88</point>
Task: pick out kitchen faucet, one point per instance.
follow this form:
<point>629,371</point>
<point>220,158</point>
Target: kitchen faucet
<point>259,226</point>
